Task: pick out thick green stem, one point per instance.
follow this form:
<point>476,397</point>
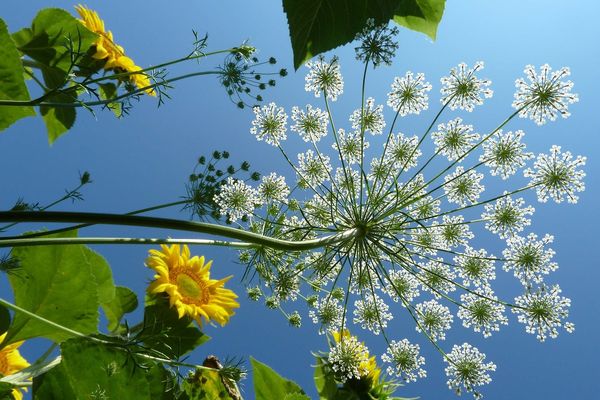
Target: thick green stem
<point>163,223</point>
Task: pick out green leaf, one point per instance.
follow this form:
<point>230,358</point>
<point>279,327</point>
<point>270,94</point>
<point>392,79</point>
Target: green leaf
<point>421,15</point>
<point>57,283</point>
<point>268,384</point>
<point>317,26</point>
<point>94,368</point>
<point>168,334</point>
<point>324,381</point>
<point>12,81</point>
<point>204,385</point>
<point>5,391</point>
<point>162,383</point>
<point>109,91</point>
<point>52,32</point>
<point>4,319</point>
<point>53,385</point>
<point>58,120</point>
<point>124,301</point>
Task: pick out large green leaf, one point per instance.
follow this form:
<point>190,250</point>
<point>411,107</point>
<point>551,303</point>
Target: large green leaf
<point>4,319</point>
<point>59,284</point>
<point>124,301</point>
<point>317,26</point>
<point>168,334</point>
<point>53,385</point>
<point>12,81</point>
<point>54,37</point>
<point>324,381</point>
<point>58,120</point>
<point>268,384</point>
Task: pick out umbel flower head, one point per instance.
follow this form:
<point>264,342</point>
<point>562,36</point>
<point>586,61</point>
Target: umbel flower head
<point>372,222</point>
<point>186,281</point>
<point>111,53</point>
<point>11,362</point>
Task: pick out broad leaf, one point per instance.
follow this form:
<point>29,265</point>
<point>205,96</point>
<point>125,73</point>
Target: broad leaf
<point>205,385</point>
<point>268,384</point>
<point>109,91</point>
<point>124,301</point>
<point>96,368</point>
<point>162,383</point>
<point>4,319</point>
<point>55,38</point>
<point>12,81</point>
<point>324,381</point>
<point>57,283</point>
<point>168,334</point>
<point>53,385</point>
<point>317,26</point>
<point>58,120</point>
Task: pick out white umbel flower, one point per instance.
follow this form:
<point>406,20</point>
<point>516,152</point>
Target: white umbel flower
<point>434,318</point>
<point>463,187</point>
<point>466,369</point>
<point>372,313</point>
<point>545,95</point>
<point>406,361</point>
<point>269,124</point>
<point>236,199</point>
<point>402,151</point>
<point>349,358</point>
<point>313,169</point>
<point>310,123</point>
<point>481,311</point>
<point>409,94</point>
<point>556,176</point>
<point>454,139</point>
<point>462,89</point>
<point>544,311</point>
<point>324,77</point>
<point>273,188</point>
<point>350,146</point>
<point>327,313</point>
<point>507,217</point>
<point>402,286</point>
<point>475,267</point>
<point>372,118</point>
<point>504,153</point>
<point>529,258</point>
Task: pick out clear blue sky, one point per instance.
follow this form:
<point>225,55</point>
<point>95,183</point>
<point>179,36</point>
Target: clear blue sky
<point>145,159</point>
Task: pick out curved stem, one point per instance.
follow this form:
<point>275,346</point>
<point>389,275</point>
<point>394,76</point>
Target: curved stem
<point>165,223</point>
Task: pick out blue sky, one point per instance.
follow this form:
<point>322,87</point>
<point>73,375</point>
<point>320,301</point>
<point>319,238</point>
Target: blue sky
<point>145,158</point>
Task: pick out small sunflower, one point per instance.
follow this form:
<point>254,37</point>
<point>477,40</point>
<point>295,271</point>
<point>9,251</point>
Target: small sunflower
<point>11,361</point>
<point>186,280</point>
<point>112,53</point>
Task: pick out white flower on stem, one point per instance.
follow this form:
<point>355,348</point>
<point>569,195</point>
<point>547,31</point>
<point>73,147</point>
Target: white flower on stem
<point>376,43</point>
<point>437,277</point>
<point>269,124</point>
<point>435,319</point>
<point>543,312</point>
<point>350,146</point>
<point>409,94</point>
<point>481,311</point>
<point>529,258</point>
<point>556,176</point>
<point>455,232</point>
<point>507,217</point>
<point>466,369</point>
<point>427,240</point>
<point>402,151</point>
<point>454,139</point>
<point>463,187</point>
<point>462,89</point>
<point>372,118</point>
<point>475,267</point>
<point>312,169</point>
<point>425,207</point>
<point>402,286</point>
<point>327,313</point>
<point>324,77</point>
<point>349,358</point>
<point>545,95</point>
<point>504,153</point>
<point>406,361</point>
<point>273,188</point>
<point>236,199</point>
<point>310,124</point>
<point>371,313</point>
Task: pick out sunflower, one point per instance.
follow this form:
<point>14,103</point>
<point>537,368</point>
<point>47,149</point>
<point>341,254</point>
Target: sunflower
<point>11,361</point>
<point>186,280</point>
<point>113,54</point>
